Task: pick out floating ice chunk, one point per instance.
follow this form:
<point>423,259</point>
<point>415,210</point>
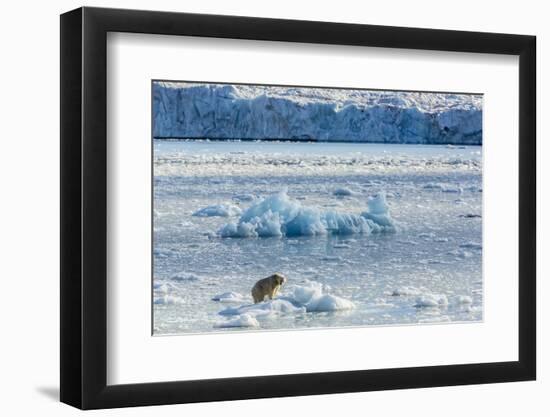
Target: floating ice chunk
<point>218,210</point>
<point>464,299</point>
<point>185,277</point>
<point>303,294</point>
<point>263,309</point>
<point>343,192</point>
<point>312,297</point>
<point>405,291</point>
<point>408,242</point>
<point>378,213</point>
<point>309,297</point>
<point>443,187</point>
<point>167,300</point>
<point>244,320</point>
<point>341,246</point>
<point>278,215</point>
<point>163,287</point>
<point>244,197</point>
<point>328,302</point>
<point>425,235</point>
<point>229,297</point>
<point>431,300</point>
<point>461,254</point>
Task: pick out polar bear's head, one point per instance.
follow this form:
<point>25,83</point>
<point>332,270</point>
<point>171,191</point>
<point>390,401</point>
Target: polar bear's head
<point>279,279</point>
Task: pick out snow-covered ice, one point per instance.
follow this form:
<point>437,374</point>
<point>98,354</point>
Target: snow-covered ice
<point>431,300</point>
<point>229,297</point>
<point>244,320</point>
<point>310,297</point>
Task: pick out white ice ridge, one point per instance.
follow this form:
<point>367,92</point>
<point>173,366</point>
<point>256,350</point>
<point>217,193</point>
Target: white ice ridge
<point>278,215</point>
<point>219,111</point>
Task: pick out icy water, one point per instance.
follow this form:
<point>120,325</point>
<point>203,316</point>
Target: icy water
<point>425,268</point>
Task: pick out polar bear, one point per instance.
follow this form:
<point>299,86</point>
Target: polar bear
<point>269,286</point>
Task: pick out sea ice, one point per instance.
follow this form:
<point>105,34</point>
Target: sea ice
<point>464,299</point>
<point>405,291</point>
<point>243,320</point>
<point>244,197</point>
<point>185,277</point>
<point>167,300</point>
<point>446,188</point>
<point>218,210</point>
<point>310,297</point>
<point>229,297</point>
<point>431,300</point>
<point>263,309</point>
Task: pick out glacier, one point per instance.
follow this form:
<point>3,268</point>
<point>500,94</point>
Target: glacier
<point>258,112</point>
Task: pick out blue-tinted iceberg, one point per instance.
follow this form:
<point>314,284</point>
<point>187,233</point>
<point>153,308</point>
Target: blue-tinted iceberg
<point>278,216</point>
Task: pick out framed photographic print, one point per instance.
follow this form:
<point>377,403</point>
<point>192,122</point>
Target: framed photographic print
<point>257,207</point>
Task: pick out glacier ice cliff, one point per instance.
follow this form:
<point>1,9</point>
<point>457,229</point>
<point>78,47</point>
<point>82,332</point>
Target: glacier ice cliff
<point>223,111</point>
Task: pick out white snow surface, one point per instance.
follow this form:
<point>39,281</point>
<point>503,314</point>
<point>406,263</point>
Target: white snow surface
<point>432,300</point>
<point>229,297</point>
<point>244,320</point>
<point>223,111</point>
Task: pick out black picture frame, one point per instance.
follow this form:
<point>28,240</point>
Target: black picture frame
<point>84,207</point>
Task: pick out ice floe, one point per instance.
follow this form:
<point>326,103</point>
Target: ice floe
<point>167,299</point>
<point>185,277</point>
<point>443,187</point>
<point>218,210</point>
<point>311,297</point>
<point>464,299</point>
<point>229,297</point>
<point>244,320</point>
<point>405,291</point>
<point>431,300</point>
